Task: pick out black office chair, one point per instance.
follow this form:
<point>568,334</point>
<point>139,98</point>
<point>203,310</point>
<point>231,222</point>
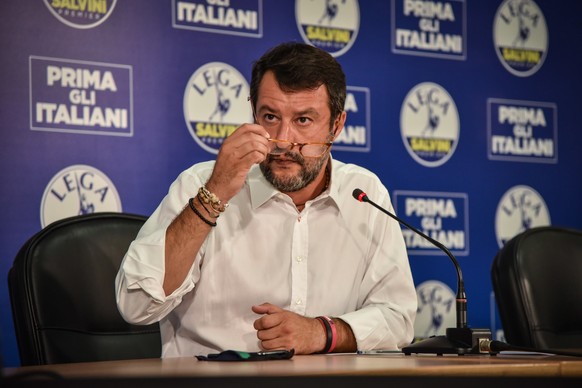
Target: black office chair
<point>537,281</point>
<point>62,292</point>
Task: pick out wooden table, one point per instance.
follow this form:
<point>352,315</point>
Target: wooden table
<point>337,368</point>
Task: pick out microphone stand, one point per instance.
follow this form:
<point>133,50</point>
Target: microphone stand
<point>459,340</point>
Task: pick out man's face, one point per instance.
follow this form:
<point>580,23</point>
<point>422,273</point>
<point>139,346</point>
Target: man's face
<point>300,117</point>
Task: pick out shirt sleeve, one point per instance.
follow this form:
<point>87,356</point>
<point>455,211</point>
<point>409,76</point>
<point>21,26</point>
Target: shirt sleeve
<point>388,299</point>
<point>139,282</point>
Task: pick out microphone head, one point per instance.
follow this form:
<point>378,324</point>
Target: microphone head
<point>359,195</point>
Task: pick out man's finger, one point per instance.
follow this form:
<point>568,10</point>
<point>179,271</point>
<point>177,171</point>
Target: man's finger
<point>266,308</point>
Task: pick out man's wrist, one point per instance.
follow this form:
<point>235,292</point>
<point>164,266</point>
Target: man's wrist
<point>330,333</point>
<point>346,340</point>
<point>212,200</point>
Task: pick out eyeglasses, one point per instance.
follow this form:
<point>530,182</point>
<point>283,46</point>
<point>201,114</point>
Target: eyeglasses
<point>279,146</point>
<point>308,150</point>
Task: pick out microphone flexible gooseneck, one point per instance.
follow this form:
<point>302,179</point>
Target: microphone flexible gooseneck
<point>461,298</point>
<point>458,340</point>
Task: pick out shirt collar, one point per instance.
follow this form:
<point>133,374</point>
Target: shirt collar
<point>261,190</point>
<point>334,181</point>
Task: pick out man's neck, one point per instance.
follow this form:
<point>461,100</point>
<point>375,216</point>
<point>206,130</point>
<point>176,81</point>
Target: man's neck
<point>312,190</point>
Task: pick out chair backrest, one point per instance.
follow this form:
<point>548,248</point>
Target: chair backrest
<point>537,281</point>
<point>62,293</point>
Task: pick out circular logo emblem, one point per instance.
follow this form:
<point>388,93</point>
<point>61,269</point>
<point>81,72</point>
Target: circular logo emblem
<point>81,14</point>
<point>331,25</point>
<point>520,208</point>
<point>520,37</point>
<point>429,124</point>
<point>436,309</point>
<point>77,190</point>
<point>215,104</point>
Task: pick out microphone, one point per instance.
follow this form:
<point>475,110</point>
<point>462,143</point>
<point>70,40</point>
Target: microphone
<point>460,339</point>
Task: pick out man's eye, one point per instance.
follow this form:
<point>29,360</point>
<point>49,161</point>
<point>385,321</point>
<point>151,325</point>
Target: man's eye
<point>303,120</point>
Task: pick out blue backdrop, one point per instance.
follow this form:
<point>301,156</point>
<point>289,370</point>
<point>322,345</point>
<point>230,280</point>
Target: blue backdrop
<point>467,110</point>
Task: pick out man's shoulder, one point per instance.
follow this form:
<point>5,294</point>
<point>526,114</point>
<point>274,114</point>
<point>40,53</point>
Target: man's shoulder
<point>352,170</point>
<point>347,177</point>
<point>200,171</point>
<point>201,168</point>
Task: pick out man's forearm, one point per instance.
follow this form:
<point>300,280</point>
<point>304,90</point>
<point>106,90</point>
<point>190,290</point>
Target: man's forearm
<point>184,237</point>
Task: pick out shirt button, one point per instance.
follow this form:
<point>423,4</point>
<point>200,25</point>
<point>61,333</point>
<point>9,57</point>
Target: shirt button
<point>299,259</point>
<point>298,301</point>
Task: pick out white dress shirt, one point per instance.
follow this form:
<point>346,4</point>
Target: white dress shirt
<point>337,257</point>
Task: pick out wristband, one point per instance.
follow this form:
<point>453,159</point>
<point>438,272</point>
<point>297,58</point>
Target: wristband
<point>330,332</point>
<point>191,203</point>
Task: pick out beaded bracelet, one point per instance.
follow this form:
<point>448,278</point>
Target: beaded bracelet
<point>191,202</point>
<point>213,215</point>
<point>211,199</point>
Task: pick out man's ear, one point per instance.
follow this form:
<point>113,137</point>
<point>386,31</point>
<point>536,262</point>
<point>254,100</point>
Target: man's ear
<point>339,123</point>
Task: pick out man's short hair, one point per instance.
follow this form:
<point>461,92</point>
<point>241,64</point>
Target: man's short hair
<point>299,66</point>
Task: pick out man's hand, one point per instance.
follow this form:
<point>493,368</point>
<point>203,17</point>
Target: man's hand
<point>282,329</point>
<point>245,147</point>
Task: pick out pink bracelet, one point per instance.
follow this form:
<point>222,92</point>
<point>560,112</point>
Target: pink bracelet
<point>330,331</point>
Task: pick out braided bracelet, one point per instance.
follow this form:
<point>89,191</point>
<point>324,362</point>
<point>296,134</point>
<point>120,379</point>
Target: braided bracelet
<point>191,202</point>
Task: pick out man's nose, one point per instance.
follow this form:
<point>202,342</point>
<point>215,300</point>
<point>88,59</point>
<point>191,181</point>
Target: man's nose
<point>284,130</point>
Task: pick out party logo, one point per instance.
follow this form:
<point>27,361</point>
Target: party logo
<point>331,25</point>
<point>78,190</point>
<point>436,309</point>
<point>81,14</point>
<point>521,208</point>
<point>429,124</point>
<point>215,104</point>
<point>520,36</point>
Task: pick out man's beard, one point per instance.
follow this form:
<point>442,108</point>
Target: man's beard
<point>287,184</point>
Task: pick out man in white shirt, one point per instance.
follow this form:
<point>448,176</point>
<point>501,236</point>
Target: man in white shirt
<point>265,248</point>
